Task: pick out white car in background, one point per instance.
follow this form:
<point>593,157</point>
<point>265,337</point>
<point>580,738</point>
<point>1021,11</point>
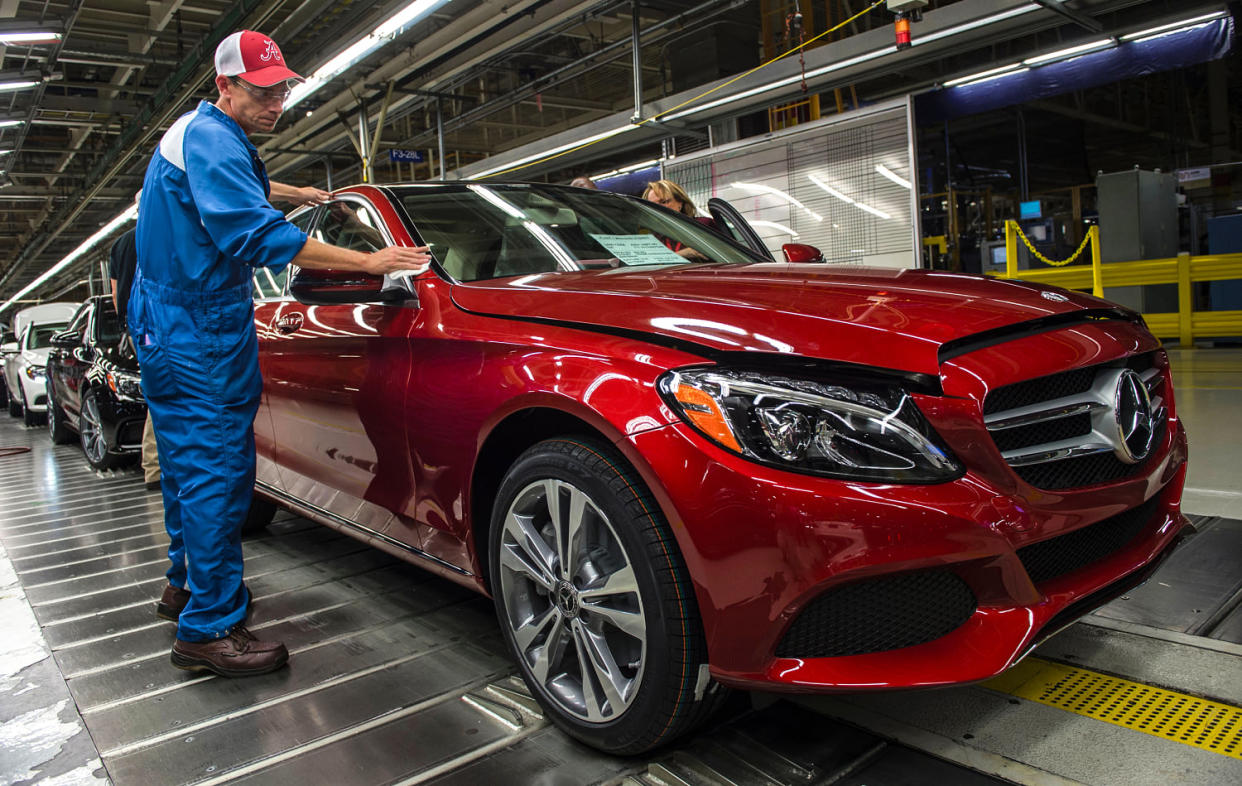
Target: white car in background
<point>23,368</point>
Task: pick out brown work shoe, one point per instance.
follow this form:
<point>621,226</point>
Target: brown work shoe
<point>174,599</point>
<point>172,603</point>
<point>238,654</point>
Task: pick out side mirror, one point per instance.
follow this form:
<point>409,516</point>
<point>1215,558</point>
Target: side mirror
<point>66,339</point>
<point>800,252</point>
<point>336,287</point>
<point>9,348</point>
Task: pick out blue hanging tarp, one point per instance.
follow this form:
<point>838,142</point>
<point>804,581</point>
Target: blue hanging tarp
<point>1127,60</point>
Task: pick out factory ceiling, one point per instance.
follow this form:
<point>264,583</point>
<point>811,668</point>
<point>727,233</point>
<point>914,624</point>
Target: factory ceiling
<point>474,78</point>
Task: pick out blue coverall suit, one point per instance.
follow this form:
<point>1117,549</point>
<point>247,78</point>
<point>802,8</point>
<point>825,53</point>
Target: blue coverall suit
<point>204,225</point>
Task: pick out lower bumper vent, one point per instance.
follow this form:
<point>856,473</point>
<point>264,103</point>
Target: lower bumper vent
<point>1057,556</point>
<point>880,614</point>
<point>129,434</point>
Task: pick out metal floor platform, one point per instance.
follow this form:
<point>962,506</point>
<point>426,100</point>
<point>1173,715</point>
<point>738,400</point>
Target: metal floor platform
<point>400,677</point>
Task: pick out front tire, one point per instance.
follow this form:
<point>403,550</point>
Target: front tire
<point>594,599</point>
<point>259,515</point>
<point>15,408</point>
<point>31,419</point>
<point>57,428</point>
<point>90,430</point>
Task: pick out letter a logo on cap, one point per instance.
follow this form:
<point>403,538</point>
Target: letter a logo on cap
<point>253,57</point>
<point>271,53</point>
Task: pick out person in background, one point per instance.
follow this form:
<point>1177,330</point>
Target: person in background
<point>123,260</point>
<point>584,182</point>
<point>205,225</point>
<point>672,196</point>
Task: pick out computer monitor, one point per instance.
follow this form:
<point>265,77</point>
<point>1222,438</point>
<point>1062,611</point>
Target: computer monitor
<point>1032,209</point>
<point>996,255</point>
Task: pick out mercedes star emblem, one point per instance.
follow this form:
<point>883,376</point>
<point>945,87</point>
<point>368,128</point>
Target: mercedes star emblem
<point>1135,421</point>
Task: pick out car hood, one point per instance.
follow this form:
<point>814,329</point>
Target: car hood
<point>897,319</point>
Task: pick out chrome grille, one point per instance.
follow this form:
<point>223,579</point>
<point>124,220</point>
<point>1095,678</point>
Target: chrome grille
<point>1063,431</point>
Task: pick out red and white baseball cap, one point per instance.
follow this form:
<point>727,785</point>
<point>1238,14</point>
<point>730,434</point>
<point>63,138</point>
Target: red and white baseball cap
<point>253,57</point>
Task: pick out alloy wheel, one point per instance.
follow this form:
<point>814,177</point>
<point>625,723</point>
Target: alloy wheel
<point>574,605</point>
<point>93,443</point>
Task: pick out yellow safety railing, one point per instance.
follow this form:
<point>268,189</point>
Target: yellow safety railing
<point>1185,324</point>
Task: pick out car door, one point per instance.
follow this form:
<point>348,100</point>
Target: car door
<point>731,224</point>
<point>335,379</point>
<point>271,296</point>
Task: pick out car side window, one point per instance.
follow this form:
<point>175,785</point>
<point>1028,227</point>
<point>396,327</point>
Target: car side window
<point>351,225</point>
<point>266,283</point>
<point>78,323</point>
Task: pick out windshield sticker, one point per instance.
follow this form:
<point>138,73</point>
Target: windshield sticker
<point>639,249</point>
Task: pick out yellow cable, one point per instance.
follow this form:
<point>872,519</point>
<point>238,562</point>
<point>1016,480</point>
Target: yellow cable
<point>698,97</point>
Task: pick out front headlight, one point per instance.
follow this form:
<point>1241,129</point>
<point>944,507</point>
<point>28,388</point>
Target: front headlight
<point>34,372</point>
<point>852,432</point>
<point>125,386</point>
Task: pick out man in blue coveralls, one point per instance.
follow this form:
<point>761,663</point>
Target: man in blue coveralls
<point>205,224</point>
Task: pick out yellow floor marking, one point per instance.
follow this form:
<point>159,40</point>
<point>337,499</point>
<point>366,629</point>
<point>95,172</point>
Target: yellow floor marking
<point>1190,720</point>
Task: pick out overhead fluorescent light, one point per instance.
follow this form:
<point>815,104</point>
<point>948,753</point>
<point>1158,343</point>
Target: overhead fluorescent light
<point>553,151</point>
<point>29,38</point>
<point>776,192</point>
<point>893,176</point>
<point>866,56</point>
<point>1171,27</point>
<point>967,26</point>
<point>1022,70</point>
<point>128,214</point>
<point>4,151</point>
<point>625,170</point>
<point>17,84</point>
<point>991,72</point>
<point>786,82</point>
<point>1061,54</point>
<point>776,226</point>
<point>10,123</point>
<point>387,30</point>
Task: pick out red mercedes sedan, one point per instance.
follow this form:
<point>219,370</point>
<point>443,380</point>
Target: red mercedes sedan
<point>679,465</point>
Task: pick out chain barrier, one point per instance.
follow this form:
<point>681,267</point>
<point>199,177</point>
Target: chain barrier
<point>1044,259</point>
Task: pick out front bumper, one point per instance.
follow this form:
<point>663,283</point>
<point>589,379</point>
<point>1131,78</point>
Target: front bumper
<point>763,545</point>
<point>122,423</point>
<point>35,391</point>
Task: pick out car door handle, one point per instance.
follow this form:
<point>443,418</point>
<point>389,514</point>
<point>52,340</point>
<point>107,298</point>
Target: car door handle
<point>288,323</point>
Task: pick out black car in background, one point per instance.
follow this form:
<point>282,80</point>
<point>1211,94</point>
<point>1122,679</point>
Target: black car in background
<point>93,386</point>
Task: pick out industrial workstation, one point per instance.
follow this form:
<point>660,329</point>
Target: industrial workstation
<point>652,392</point>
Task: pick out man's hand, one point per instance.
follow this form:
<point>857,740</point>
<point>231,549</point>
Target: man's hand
<point>398,261</point>
<point>309,195</point>
<point>306,195</point>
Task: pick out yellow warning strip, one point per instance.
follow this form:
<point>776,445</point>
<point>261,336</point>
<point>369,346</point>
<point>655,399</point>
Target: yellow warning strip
<point>1200,723</point>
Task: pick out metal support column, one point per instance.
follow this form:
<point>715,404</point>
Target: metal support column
<point>440,136</point>
<point>638,65</point>
<point>364,141</point>
<point>1023,183</point>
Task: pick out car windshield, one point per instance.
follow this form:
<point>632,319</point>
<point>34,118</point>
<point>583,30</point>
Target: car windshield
<point>479,231</point>
<point>40,336</point>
